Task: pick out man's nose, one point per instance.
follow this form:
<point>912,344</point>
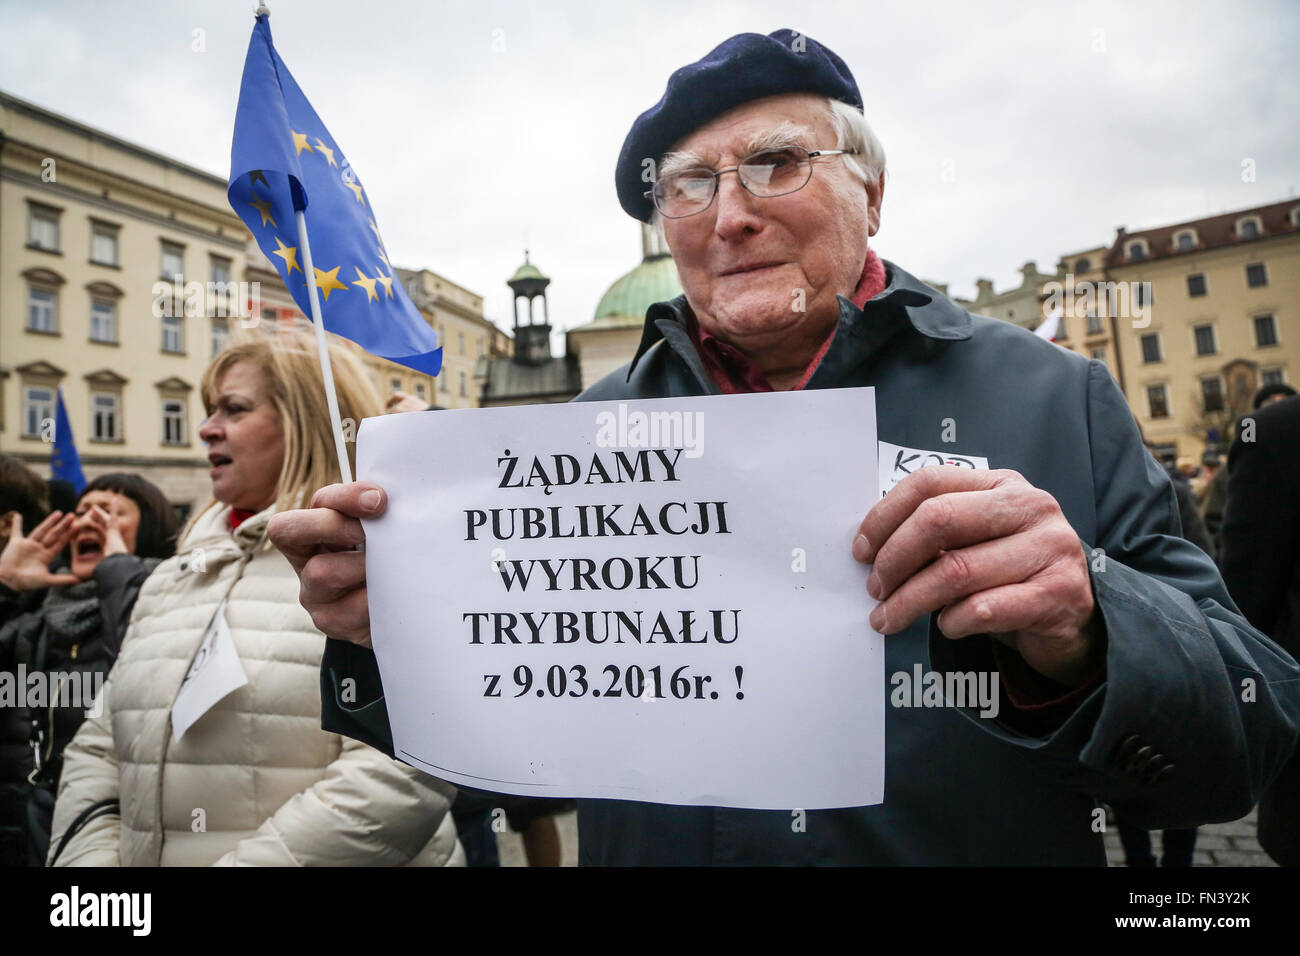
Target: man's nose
<point>737,209</point>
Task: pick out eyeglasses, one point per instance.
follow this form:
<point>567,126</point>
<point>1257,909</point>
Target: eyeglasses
<point>769,173</point>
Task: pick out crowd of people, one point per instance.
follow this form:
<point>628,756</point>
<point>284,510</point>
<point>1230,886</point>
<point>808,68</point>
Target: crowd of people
<point>109,584</point>
<point>1144,644</point>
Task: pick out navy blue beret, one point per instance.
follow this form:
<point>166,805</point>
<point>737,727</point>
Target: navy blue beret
<point>745,67</point>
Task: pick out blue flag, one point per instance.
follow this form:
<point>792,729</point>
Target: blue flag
<point>283,159</point>
<point>65,463</point>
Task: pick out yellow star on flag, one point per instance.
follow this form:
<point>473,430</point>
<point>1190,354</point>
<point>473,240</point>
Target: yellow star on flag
<point>384,258</point>
<point>300,140</point>
<point>356,190</point>
<point>366,283</point>
<point>375,230</point>
<point>289,254</point>
<point>387,282</point>
<point>327,282</point>
<point>329,153</point>
<point>264,208</point>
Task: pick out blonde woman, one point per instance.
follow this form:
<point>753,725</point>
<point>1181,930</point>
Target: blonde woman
<point>253,780</point>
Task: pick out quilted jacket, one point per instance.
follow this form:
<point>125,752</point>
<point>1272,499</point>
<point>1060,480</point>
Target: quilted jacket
<point>255,780</point>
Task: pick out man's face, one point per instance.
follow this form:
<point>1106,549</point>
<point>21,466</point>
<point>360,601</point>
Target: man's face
<point>762,271</point>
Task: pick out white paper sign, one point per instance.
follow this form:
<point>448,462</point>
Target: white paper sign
<point>651,600</point>
<point>897,462</point>
<point>214,673</point>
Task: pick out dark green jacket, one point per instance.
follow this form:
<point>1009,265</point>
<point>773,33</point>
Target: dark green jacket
<point>1167,739</point>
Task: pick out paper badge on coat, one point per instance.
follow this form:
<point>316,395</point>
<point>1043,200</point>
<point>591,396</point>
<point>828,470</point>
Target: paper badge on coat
<point>214,673</point>
<point>897,462</point>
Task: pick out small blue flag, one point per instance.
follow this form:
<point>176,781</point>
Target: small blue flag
<point>65,463</point>
<point>283,159</point>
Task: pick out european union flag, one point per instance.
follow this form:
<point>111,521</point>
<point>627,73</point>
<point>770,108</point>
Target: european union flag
<point>283,159</point>
<point>65,463</point>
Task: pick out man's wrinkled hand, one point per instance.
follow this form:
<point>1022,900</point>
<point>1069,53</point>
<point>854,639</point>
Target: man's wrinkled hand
<point>994,555</point>
<point>321,544</point>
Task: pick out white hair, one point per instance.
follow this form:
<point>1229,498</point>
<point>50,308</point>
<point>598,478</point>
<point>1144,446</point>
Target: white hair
<point>852,131</point>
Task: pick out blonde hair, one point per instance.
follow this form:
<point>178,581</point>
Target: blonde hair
<point>292,377</point>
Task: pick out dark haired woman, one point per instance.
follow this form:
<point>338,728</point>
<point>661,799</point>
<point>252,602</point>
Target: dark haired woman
<point>122,528</point>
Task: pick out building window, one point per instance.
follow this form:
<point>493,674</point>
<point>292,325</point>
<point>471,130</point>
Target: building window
<point>1098,353</point>
<point>479,345</point>
<point>1185,241</point>
<point>103,321</point>
<point>173,422</point>
<point>1271,376</point>
<point>1137,249</point>
<point>103,416</point>
<point>1196,284</point>
<point>419,391</point>
<point>1248,228</point>
<point>173,260</point>
<point>1204,339</point>
<point>1151,348</point>
<point>103,243</point>
<point>395,384</point>
<point>464,390</point>
<point>40,310</point>
<point>220,269</point>
<point>460,336</point>
<point>220,336</point>
<point>1082,266</point>
<point>173,334</point>
<point>1212,394</point>
<point>43,227</point>
<point>38,408</point>
<point>1143,293</point>
<point>1256,276</point>
<point>1157,401</point>
<point>1094,324</point>
<point>1265,331</point>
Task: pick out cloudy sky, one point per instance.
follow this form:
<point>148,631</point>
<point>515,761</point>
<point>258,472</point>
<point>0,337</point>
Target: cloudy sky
<point>1014,131</point>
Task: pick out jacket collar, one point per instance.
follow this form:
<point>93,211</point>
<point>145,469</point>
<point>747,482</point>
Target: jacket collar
<point>904,296</point>
<point>212,533</point>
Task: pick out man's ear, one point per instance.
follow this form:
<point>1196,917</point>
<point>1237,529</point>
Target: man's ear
<point>875,198</point>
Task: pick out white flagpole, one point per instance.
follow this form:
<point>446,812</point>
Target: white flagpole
<point>322,348</point>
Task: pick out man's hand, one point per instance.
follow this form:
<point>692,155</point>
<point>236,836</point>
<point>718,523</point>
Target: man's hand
<point>320,543</point>
<point>25,562</point>
<point>996,554</point>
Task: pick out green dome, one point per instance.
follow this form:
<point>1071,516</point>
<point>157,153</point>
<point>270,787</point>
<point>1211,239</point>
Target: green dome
<point>654,280</point>
<point>526,271</point>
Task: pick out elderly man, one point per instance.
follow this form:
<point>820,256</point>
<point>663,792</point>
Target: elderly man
<point>1128,674</point>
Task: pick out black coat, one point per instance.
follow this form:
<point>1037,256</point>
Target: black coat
<point>1261,564</point>
<point>26,642</point>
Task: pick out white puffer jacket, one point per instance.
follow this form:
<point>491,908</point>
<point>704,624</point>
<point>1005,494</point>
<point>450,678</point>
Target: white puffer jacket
<point>254,781</point>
